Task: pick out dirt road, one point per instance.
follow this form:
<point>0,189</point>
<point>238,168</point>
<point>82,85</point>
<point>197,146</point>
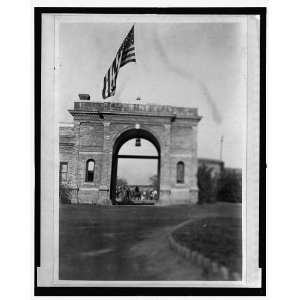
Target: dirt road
<point>127,243</point>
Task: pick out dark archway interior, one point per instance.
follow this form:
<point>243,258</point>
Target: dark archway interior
<point>121,140</point>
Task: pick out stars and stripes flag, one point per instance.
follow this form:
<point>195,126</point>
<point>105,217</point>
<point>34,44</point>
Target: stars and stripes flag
<point>125,54</point>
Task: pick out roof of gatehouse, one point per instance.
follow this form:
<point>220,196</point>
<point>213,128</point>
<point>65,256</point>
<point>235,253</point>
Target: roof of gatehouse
<point>135,109</point>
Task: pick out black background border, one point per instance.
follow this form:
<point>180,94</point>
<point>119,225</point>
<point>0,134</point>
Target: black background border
<point>151,291</point>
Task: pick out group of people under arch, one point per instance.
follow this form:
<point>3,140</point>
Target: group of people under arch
<point>126,194</point>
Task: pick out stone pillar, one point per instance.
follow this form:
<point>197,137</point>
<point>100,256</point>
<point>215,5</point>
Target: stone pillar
<point>194,168</point>
<point>165,184</point>
<point>76,176</point>
<point>104,188</point>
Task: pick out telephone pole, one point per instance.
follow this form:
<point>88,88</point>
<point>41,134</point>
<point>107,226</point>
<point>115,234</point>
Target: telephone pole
<point>221,147</point>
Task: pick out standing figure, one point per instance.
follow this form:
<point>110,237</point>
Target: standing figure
<point>128,194</point>
<point>136,193</point>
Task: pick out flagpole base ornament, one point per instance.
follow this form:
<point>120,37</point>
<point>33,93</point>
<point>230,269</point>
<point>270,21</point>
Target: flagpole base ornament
<point>84,97</point>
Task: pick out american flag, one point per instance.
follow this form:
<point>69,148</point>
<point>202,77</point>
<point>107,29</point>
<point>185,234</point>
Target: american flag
<point>125,54</point>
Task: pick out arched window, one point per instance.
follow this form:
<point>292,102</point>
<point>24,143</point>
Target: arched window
<point>90,167</point>
<point>180,172</point>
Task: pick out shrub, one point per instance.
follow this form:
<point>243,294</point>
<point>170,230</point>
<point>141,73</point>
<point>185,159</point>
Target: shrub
<point>230,187</point>
<point>226,187</point>
<point>154,182</point>
<point>64,194</point>
<point>121,181</point>
<point>206,184</point>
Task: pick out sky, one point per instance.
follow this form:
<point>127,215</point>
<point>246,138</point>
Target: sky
<point>200,65</point>
<point>137,171</point>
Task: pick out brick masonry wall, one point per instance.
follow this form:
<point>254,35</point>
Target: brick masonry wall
<point>66,150</point>
<point>184,149</point>
<point>93,137</point>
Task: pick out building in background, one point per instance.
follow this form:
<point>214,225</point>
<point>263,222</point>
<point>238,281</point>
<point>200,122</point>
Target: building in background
<point>236,171</point>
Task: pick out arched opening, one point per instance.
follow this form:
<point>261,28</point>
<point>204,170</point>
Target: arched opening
<point>135,151</point>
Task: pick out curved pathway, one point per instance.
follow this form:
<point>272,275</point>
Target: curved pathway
<point>127,243</point>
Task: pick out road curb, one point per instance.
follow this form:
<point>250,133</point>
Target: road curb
<point>212,268</point>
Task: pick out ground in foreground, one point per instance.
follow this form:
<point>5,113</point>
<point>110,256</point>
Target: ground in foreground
<point>127,242</point>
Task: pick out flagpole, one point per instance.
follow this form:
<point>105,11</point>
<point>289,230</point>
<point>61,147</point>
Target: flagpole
<point>138,96</point>
<point>125,55</point>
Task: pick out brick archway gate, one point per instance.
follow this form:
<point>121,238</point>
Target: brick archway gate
<point>120,141</point>
<point>98,131</point>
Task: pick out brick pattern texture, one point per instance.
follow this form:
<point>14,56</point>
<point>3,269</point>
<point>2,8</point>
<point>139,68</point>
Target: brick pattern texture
<point>95,129</point>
